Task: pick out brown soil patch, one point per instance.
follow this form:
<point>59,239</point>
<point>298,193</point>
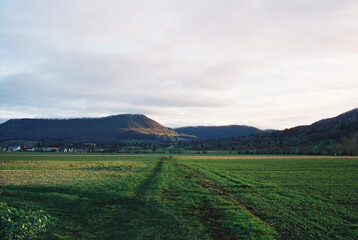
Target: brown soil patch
<point>168,195</point>
<point>105,203</point>
<point>214,219</point>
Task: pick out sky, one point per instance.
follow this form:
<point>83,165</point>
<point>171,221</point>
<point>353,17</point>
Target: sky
<point>272,64</point>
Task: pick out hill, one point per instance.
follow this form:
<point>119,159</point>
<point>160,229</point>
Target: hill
<point>216,132</point>
<point>326,129</point>
<point>86,130</point>
<point>337,135</point>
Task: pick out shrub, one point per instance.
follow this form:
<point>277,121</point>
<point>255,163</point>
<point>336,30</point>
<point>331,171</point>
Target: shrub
<point>22,224</point>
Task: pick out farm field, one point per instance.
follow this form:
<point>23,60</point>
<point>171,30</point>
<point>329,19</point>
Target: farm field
<point>185,197</point>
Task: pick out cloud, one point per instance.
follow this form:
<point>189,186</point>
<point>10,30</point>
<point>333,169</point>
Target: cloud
<point>94,81</point>
<point>203,61</point>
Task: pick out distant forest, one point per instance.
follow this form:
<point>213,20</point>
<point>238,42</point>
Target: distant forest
<point>259,144</point>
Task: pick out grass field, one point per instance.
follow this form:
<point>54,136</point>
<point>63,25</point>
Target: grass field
<point>186,197</point>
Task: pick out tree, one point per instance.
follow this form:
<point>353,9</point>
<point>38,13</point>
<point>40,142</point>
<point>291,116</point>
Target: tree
<point>350,144</point>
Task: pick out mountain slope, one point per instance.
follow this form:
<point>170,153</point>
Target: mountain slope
<point>216,132</point>
<point>99,130</point>
<point>325,129</point>
<point>337,135</point>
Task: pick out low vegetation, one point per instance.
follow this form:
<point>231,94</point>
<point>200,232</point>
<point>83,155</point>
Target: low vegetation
<point>185,196</point>
<point>22,224</point>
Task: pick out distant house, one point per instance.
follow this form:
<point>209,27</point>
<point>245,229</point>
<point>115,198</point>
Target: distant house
<point>33,149</point>
<point>14,149</point>
<point>50,149</point>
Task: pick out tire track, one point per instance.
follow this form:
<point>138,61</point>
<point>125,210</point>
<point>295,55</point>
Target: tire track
<point>228,196</point>
<point>209,215</point>
<point>145,185</point>
<point>140,190</point>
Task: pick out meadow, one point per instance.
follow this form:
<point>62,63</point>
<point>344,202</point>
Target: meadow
<point>113,196</point>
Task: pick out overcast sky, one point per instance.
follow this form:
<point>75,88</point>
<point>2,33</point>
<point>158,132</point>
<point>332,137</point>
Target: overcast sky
<point>269,63</point>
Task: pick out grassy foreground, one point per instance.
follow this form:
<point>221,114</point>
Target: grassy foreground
<point>185,197</point>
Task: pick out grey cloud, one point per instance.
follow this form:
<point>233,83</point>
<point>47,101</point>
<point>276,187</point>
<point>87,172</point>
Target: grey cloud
<point>77,79</point>
<point>171,58</point>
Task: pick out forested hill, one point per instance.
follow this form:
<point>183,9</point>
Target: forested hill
<point>334,128</point>
<point>337,135</point>
<point>216,132</point>
<point>86,130</point>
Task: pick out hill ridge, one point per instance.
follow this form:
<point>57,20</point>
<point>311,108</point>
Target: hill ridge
<point>108,129</point>
<point>217,132</point>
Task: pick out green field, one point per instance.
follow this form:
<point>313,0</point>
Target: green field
<point>185,197</point>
